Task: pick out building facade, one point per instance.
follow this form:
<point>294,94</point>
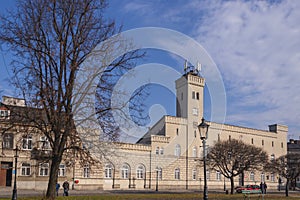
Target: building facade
<point>168,156</point>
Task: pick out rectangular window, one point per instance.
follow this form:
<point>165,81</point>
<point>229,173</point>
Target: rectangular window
<point>177,174</point>
<point>272,143</point>
<point>4,113</point>
<point>44,143</point>
<point>218,176</point>
<point>61,170</point>
<point>262,142</point>
<point>25,169</point>
<point>86,171</point>
<point>193,95</point>
<point>27,142</point>
<point>44,169</point>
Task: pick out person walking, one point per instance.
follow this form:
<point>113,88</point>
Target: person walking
<point>265,188</point>
<point>262,187</point>
<point>66,188</point>
<point>57,188</point>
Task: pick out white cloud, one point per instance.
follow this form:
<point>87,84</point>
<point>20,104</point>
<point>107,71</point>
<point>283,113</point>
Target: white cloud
<point>256,45</point>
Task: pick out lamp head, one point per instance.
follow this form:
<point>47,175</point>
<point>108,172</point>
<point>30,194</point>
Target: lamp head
<point>203,129</point>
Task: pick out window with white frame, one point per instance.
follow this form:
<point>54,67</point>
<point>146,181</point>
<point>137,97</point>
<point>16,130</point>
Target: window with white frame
<point>177,150</point>
<point>4,114</point>
<point>194,174</point>
<point>207,175</point>
<point>272,157</point>
<point>44,169</point>
<point>252,175</point>
<point>44,143</point>
<point>161,151</point>
<point>272,177</point>
<point>218,175</point>
<point>25,169</point>
<point>108,171</point>
<point>262,177</point>
<point>159,173</point>
<point>125,171</point>
<point>157,150</point>
<point>62,170</point>
<point>140,171</point>
<point>27,142</point>
<point>8,141</point>
<point>177,173</point>
<point>86,171</point>
<point>194,152</point>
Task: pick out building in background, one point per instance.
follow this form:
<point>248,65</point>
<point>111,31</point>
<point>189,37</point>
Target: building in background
<point>167,157</point>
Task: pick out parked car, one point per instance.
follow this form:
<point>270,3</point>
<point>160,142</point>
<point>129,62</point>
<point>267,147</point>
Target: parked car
<point>239,189</point>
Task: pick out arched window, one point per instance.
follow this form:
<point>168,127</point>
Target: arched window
<point>252,175</point>
<point>25,169</point>
<point>194,174</point>
<point>108,171</point>
<point>177,150</point>
<point>177,173</point>
<point>195,152</point>
<point>218,175</point>
<point>272,157</point>
<point>140,172</point>
<point>159,173</point>
<point>262,177</point>
<point>125,171</point>
<point>8,141</point>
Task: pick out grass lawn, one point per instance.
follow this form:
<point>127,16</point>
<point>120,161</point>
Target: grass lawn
<point>167,196</point>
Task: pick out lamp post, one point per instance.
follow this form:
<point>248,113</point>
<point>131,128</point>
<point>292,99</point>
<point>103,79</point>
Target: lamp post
<point>203,130</point>
<point>14,194</point>
<point>157,171</point>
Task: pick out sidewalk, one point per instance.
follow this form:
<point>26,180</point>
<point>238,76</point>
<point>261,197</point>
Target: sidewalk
<point>6,192</point>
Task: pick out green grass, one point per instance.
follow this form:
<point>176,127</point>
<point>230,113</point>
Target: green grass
<point>177,196</point>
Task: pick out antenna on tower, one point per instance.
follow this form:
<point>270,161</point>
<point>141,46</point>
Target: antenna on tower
<point>199,66</point>
<point>185,66</point>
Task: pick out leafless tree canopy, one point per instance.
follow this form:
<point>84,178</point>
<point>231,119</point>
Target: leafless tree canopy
<point>287,166</point>
<point>233,157</point>
<point>50,40</point>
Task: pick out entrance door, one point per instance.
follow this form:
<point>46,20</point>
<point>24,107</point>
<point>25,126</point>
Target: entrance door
<point>5,173</point>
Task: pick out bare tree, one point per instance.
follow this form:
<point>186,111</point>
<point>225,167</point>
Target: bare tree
<point>287,166</point>
<point>50,40</point>
<point>233,157</point>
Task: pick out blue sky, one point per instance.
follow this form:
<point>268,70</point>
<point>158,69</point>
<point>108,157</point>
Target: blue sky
<point>255,45</point>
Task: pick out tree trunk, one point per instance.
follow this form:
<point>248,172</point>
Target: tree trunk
<point>51,190</point>
<point>231,185</point>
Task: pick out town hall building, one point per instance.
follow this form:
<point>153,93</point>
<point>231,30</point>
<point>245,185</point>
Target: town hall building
<point>168,156</point>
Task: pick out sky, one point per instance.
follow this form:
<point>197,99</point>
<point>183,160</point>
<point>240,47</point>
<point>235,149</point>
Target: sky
<point>254,44</point>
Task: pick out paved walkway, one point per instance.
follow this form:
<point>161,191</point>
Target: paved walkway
<point>6,192</point>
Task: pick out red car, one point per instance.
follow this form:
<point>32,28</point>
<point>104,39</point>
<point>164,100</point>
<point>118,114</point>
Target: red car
<point>239,189</point>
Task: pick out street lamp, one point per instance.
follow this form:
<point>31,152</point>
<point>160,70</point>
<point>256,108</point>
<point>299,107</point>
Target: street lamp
<point>203,130</point>
<point>156,186</point>
<point>14,194</point>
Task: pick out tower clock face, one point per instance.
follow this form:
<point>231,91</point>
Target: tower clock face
<point>195,111</point>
